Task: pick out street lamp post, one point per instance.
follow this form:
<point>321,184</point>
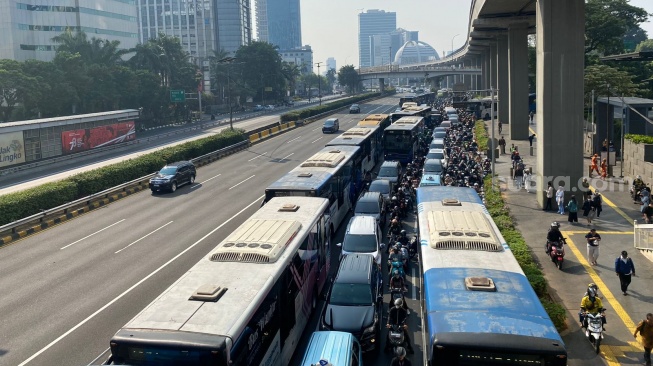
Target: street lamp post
<point>319,82</point>
<point>229,61</point>
<point>607,134</point>
<point>452,38</point>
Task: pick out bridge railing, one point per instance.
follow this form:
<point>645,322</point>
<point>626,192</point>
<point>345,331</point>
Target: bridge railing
<point>398,68</point>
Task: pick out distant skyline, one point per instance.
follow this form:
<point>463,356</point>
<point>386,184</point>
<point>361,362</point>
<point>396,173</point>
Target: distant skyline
<point>332,28</point>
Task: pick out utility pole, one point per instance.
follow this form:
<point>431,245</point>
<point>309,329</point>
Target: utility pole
<point>623,122</point>
<point>607,133</point>
<point>494,158</point>
<point>594,130</point>
<point>319,82</point>
<point>229,61</point>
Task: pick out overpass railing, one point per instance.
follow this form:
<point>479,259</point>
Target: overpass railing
<point>403,68</point>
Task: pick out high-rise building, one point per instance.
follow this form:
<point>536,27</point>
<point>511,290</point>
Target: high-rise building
<point>331,63</point>
<point>203,26</point>
<point>302,57</point>
<point>28,26</point>
<point>399,37</point>
<point>371,23</point>
<point>279,22</point>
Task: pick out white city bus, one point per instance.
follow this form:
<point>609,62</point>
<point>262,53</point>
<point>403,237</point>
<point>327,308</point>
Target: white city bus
<point>246,303</point>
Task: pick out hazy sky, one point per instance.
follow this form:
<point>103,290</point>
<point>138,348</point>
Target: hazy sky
<point>330,27</point>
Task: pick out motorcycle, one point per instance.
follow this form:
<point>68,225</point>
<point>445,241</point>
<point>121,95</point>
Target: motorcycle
<point>397,293</point>
<point>397,265</point>
<point>594,330</point>
<point>557,252</point>
<point>396,337</point>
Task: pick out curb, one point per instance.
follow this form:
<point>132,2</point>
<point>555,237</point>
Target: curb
<point>68,216</point>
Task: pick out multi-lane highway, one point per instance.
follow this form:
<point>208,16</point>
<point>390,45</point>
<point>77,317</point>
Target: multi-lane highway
<point>68,289</point>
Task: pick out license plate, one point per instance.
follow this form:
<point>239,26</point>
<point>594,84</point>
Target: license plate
<point>156,186</point>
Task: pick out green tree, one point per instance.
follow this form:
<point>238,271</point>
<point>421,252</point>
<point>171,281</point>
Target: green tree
<point>347,76</point>
<point>291,74</point>
<point>597,78</point>
<point>331,77</point>
<point>260,67</point>
<point>15,86</point>
<point>633,37</point>
<point>607,22</point>
<point>645,46</point>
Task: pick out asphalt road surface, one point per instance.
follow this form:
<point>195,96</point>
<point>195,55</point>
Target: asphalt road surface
<point>70,288</point>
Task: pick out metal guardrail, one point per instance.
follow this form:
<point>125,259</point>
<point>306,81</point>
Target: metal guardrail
<point>86,201</point>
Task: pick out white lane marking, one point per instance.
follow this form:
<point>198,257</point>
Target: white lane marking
<point>316,128</point>
<point>88,236</point>
<point>236,185</point>
<point>314,141</point>
<point>199,185</point>
<point>258,200</point>
<point>257,156</point>
<point>143,237</point>
<point>284,158</point>
<point>289,141</point>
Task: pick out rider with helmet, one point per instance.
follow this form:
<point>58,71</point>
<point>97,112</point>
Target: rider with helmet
<point>397,316</point>
<point>591,304</point>
<point>398,284</point>
<point>553,236</point>
<point>400,359</point>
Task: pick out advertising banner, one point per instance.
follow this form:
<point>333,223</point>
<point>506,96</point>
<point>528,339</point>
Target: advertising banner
<point>12,149</point>
<point>80,140</point>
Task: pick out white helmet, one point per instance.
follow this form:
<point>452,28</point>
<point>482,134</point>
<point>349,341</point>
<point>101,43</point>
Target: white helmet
<point>399,303</point>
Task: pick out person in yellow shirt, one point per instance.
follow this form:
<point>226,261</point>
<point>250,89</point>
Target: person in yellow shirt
<point>591,304</point>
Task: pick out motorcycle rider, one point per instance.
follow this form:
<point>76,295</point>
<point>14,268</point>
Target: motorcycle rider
<point>398,283</point>
<point>554,235</point>
<point>591,304</point>
<point>401,359</point>
<point>395,256</point>
<point>397,316</point>
<point>403,238</point>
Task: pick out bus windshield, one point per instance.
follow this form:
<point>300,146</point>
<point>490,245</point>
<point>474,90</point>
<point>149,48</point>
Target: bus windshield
<point>350,294</point>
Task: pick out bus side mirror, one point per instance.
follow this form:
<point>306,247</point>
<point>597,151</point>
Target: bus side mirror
<point>339,245</point>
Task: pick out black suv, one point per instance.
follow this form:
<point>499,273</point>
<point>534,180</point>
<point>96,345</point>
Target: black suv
<point>355,301</point>
<point>172,176</point>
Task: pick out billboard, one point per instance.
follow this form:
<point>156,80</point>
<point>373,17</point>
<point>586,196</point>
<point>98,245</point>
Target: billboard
<point>12,149</point>
<point>90,138</point>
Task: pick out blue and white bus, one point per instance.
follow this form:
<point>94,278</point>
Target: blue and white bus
<point>479,308</point>
<point>334,173</point>
<point>369,139</point>
<point>246,303</point>
<point>401,138</point>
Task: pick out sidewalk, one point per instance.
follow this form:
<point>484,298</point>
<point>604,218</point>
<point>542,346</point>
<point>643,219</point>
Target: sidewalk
<point>569,284</point>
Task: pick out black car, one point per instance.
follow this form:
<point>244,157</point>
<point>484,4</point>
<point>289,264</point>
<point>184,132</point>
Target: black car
<point>172,176</point>
<point>355,108</point>
<point>331,125</point>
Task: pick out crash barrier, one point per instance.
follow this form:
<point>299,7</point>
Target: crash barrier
<point>643,236</point>
<point>269,131</point>
<point>47,218</point>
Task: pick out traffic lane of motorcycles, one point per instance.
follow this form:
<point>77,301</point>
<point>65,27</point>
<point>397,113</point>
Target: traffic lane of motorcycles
<point>412,296</point>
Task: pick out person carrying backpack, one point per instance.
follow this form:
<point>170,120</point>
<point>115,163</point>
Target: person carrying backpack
<point>645,330</point>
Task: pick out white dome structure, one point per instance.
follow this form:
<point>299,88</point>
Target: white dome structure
<point>413,52</point>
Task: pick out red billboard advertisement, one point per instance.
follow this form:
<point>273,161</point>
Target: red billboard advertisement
<point>80,140</point>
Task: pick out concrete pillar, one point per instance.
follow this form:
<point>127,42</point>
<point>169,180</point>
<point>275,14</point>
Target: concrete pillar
<point>502,79</point>
<point>493,65</point>
<point>381,84</point>
<point>560,63</point>
<point>518,81</point>
<point>486,70</point>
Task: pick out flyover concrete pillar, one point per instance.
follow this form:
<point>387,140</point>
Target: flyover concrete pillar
<point>381,84</point>
<point>518,80</point>
<point>493,65</point>
<point>486,70</point>
<point>560,63</point>
<point>502,79</point>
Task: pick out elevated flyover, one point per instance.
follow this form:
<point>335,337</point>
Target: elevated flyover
<point>497,44</point>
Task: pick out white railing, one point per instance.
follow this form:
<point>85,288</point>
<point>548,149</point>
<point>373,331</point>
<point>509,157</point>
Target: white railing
<point>643,236</point>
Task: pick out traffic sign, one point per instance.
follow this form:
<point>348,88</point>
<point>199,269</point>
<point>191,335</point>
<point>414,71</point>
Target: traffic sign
<point>177,96</point>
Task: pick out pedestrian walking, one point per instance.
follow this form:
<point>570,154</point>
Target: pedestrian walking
<point>604,169</point>
<point>597,202</point>
<point>645,330</point>
<point>518,176</point>
<point>625,269</point>
<point>502,145</point>
<point>500,126</point>
<point>512,149</point>
<point>530,117</point>
<point>588,210</point>
<point>560,200</point>
<point>593,239</point>
<point>572,207</point>
<point>549,197</point>
<point>594,165</point>
<point>530,139</point>
<point>527,179</point>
